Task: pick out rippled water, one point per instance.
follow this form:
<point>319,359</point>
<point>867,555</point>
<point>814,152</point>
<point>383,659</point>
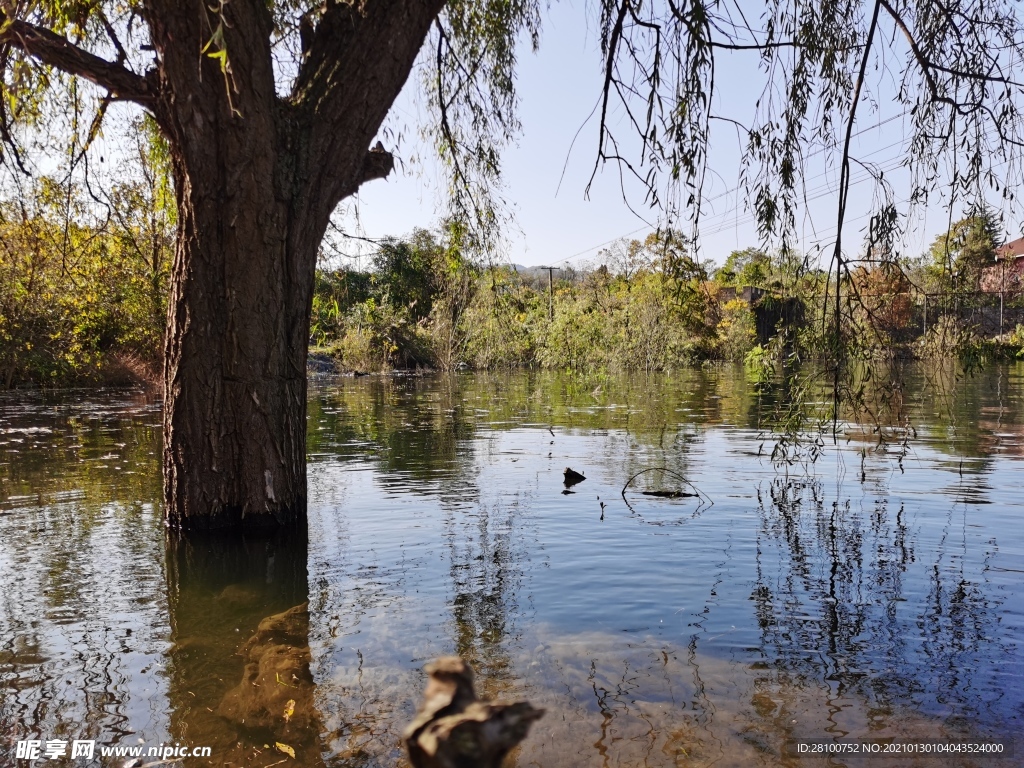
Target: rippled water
<point>877,593</point>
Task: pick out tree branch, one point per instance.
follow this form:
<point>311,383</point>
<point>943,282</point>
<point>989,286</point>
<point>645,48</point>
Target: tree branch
<point>58,52</point>
<point>377,164</point>
<point>609,79</point>
<point>346,86</point>
<point>844,193</point>
<point>927,66</point>
<point>770,46</point>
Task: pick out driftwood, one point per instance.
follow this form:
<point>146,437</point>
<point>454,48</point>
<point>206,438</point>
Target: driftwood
<point>697,492</point>
<point>670,494</point>
<point>454,729</point>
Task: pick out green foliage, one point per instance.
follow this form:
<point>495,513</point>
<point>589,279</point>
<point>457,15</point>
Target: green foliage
<point>382,336</point>
<point>956,258</point>
<point>948,338</point>
<point>628,314</point>
<point>406,313</point>
<point>404,273</point>
<point>736,331</point>
<point>1016,341</point>
<point>759,365</point>
<point>334,294</point>
<point>649,307</point>
<point>80,298</point>
<point>748,267</point>
<point>506,318</point>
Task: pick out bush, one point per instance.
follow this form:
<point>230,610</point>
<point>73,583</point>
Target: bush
<point>78,296</point>
<point>627,314</point>
<point>380,337</point>
<point>737,333</point>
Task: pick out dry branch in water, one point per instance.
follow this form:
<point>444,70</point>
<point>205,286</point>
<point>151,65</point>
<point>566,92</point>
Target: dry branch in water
<point>454,729</point>
<point>697,492</point>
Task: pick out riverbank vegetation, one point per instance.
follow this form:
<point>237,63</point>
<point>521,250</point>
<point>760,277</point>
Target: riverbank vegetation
<point>83,300</point>
<point>652,305</point>
<point>645,306</point>
<point>83,279</point>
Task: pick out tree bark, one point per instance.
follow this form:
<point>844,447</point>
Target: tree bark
<point>235,357</point>
<point>234,369</point>
<point>257,179</point>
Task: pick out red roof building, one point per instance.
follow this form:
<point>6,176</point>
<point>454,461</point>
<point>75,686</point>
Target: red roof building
<point>1008,273</point>
<point>1012,250</point>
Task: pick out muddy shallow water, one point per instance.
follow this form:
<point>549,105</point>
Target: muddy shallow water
<point>876,594</point>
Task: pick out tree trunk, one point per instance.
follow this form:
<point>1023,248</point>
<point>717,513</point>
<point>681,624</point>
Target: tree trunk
<point>257,177</point>
<point>235,359</point>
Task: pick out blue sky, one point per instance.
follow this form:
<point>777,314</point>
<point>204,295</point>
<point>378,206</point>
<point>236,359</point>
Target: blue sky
<point>553,222</point>
<point>558,87</point>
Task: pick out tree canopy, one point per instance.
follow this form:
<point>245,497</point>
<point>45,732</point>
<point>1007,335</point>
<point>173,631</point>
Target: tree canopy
<point>947,67</point>
<point>959,255</point>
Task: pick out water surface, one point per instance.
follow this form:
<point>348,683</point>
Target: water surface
<point>876,593</point>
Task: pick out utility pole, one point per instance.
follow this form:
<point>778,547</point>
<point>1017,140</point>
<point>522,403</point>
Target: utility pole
<point>551,291</point>
<point>1002,290</point>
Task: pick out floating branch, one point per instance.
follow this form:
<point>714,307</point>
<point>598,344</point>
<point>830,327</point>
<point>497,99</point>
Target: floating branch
<point>697,492</point>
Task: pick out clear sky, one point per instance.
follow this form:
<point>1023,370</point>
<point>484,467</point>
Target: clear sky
<point>559,87</point>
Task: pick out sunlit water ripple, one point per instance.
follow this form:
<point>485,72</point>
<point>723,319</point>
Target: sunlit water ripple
<point>876,593</point>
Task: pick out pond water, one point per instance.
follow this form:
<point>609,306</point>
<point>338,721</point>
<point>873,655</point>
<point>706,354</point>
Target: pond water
<point>874,594</point>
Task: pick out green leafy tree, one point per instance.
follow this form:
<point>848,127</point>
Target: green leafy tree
<point>957,257</point>
<point>269,109</point>
<point>407,273</point>
<point>748,267</point>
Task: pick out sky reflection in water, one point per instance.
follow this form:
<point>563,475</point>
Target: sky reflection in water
<point>797,606</point>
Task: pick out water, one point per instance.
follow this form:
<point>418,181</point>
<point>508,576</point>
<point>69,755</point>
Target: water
<point>874,594</point>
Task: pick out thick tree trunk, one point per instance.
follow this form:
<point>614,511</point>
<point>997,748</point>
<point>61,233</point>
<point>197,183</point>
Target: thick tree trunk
<point>257,177</point>
<point>235,359</point>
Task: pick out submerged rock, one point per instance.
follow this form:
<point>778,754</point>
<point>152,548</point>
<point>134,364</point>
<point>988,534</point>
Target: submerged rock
<point>276,692</point>
<point>238,593</point>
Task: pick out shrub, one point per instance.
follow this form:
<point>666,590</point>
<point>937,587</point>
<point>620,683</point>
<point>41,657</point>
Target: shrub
<point>737,333</point>
<point>380,337</point>
<point>78,296</point>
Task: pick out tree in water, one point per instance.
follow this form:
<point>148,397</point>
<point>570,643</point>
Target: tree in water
<point>269,109</point>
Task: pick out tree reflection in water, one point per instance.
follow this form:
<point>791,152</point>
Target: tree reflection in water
<point>239,660</point>
<point>830,601</point>
<point>862,601</point>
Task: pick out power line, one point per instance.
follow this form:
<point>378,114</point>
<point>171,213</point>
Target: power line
<point>737,187</point>
<point>720,223</point>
